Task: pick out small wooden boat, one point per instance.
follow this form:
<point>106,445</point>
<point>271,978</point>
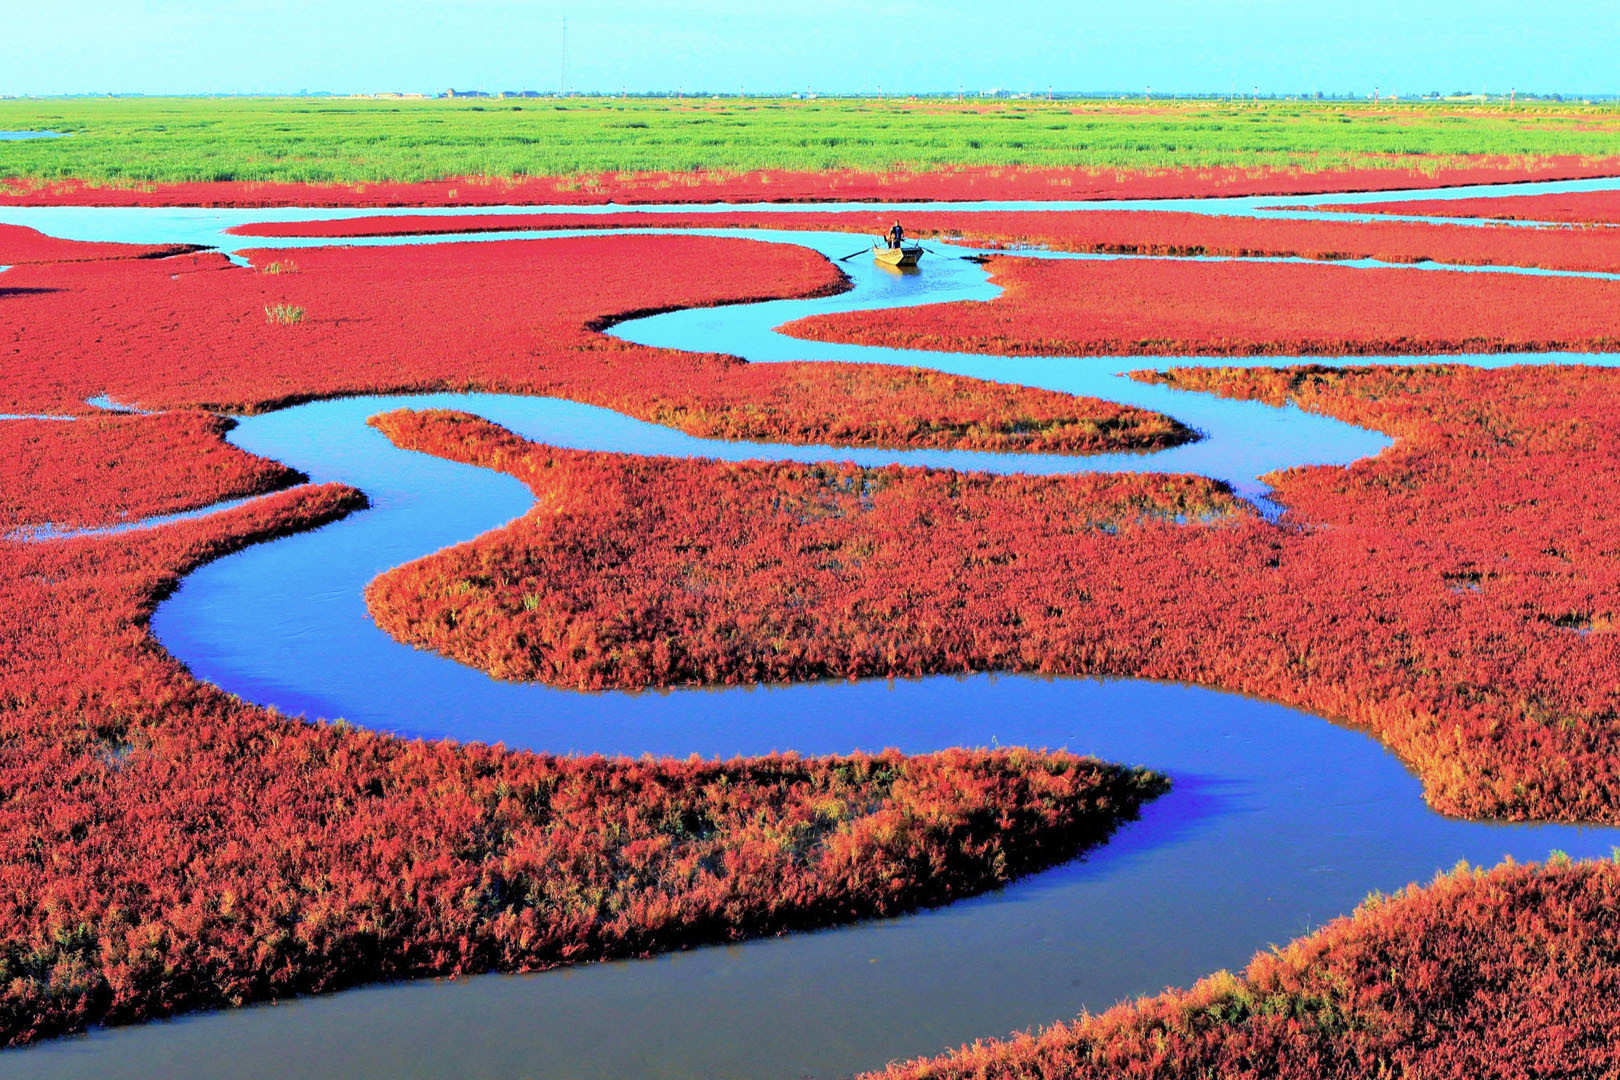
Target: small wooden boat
<point>905,255</point>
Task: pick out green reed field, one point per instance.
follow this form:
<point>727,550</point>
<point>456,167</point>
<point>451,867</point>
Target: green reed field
<point>340,139</point>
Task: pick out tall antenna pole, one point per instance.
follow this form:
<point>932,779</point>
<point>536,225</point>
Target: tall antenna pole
<point>562,77</point>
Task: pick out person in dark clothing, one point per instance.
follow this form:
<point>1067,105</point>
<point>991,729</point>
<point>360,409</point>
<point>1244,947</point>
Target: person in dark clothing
<point>896,235</point>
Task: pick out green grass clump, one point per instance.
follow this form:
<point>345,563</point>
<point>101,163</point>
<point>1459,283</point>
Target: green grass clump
<point>283,314</point>
<point>134,141</point>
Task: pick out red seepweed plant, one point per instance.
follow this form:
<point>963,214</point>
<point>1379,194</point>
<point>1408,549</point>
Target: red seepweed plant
<point>1170,308</point>
<point>1573,207</point>
<point>1507,972</point>
<point>106,469</point>
<point>518,317</point>
<point>1125,232</point>
<point>952,184</point>
<point>165,846</point>
<point>20,245</point>
<point>1444,596</point>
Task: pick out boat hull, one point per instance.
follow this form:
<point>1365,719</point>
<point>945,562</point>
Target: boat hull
<point>900,256</point>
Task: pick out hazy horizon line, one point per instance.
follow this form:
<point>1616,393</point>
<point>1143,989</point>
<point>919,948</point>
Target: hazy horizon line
<point>997,93</point>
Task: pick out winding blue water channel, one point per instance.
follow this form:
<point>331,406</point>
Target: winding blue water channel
<point>1278,820</point>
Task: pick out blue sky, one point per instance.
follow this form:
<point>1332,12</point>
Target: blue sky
<point>70,46</point>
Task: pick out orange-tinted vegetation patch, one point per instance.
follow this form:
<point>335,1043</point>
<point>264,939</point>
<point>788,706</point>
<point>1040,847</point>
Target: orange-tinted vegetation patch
<point>958,184</point>
<point>1162,307</point>
<point>1133,232</point>
<point>1449,595</point>
<point>1577,207</point>
<point>513,317</point>
<point>24,245</point>
<point>1503,973</point>
<point>100,470</point>
<point>165,846</point>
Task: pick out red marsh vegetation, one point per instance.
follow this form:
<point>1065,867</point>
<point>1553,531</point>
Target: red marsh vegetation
<point>1508,972</point>
<point>1170,233</point>
<point>1163,307</point>
<point>686,598</point>
<point>100,470</point>
<point>1447,596</point>
<point>518,317</point>
<point>23,245</point>
<point>1127,232</point>
<point>1574,207</point>
<point>165,846</point>
<point>955,184</point>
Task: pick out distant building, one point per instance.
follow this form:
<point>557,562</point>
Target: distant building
<point>520,93</point>
<point>466,93</point>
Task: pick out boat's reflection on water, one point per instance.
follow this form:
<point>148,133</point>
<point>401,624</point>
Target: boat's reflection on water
<point>898,270</point>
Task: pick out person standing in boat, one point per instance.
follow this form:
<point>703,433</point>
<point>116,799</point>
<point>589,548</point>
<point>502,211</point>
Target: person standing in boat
<point>896,235</point>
